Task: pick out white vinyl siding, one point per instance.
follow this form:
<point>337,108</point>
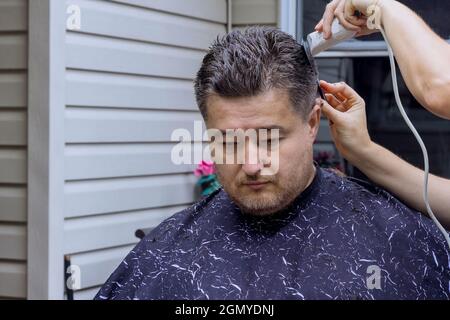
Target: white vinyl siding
<point>129,84</point>
<point>254,12</point>
<point>103,112</point>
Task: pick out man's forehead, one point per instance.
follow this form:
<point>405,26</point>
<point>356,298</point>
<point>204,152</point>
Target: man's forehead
<point>269,110</point>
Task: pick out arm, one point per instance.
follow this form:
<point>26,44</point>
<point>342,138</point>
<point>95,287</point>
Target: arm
<point>346,110</point>
<point>423,57</point>
<point>403,180</point>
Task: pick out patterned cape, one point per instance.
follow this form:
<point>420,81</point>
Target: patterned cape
<point>340,239</point>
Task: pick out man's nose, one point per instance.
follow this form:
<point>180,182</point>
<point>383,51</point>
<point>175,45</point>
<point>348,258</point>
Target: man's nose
<point>252,165</point>
<point>252,169</point>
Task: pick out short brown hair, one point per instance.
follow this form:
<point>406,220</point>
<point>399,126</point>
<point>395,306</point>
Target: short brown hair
<point>250,62</point>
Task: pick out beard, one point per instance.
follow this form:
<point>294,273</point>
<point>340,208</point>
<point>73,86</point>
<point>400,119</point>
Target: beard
<point>274,197</point>
<point>264,204</point>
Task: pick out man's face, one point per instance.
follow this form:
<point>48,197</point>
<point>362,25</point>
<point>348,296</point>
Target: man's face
<point>256,193</point>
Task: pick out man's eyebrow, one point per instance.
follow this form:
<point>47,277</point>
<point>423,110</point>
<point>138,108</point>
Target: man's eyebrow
<point>268,128</point>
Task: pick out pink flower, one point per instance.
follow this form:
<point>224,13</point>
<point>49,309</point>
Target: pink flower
<point>204,168</point>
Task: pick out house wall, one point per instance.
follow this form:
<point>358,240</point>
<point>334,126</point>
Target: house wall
<point>129,84</point>
<point>99,165</point>
<point>13,148</point>
<point>254,12</point>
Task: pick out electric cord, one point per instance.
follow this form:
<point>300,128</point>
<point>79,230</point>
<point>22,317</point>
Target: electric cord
<point>418,138</point>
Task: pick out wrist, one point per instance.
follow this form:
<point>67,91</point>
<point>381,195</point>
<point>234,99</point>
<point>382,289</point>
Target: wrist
<point>360,155</point>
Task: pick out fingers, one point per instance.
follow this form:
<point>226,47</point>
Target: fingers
<point>339,13</point>
<point>349,14</point>
<point>335,102</point>
<point>328,17</point>
<point>348,9</point>
<point>339,89</point>
<point>360,22</point>
<point>344,11</point>
<point>335,116</point>
<point>319,26</point>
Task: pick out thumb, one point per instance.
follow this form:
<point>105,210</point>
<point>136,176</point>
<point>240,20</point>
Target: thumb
<point>331,113</point>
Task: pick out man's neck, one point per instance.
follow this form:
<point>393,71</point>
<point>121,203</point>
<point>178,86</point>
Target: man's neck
<point>311,177</point>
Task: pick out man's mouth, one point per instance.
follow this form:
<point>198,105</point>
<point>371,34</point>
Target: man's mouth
<point>256,185</point>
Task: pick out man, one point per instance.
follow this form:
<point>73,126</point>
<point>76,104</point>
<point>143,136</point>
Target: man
<point>300,232</point>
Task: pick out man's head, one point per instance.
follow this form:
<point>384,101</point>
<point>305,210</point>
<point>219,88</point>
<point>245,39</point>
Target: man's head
<point>261,79</point>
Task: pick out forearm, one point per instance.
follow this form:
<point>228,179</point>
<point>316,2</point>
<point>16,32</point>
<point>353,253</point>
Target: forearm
<point>423,57</point>
<point>403,180</point>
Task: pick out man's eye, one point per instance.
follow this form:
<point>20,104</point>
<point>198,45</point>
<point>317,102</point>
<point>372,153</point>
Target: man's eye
<point>269,142</point>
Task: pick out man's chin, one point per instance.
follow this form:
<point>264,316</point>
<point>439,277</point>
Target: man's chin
<point>259,208</point>
<point>261,203</point>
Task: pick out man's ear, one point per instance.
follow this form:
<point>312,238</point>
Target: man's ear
<point>314,122</point>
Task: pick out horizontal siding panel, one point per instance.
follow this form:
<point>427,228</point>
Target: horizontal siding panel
<point>13,48</point>
<point>113,195</point>
<point>97,266</point>
<point>13,90</point>
<point>89,52</point>
<point>112,90</point>
<point>109,19</point>
<point>13,242</point>
<point>13,15</point>
<point>13,166</point>
<point>13,279</point>
<point>104,125</point>
<point>13,128</point>
<point>13,94</point>
<point>254,12</point>
<point>103,161</point>
<point>106,231</point>
<point>213,10</point>
<point>13,205</point>
<point>128,89</point>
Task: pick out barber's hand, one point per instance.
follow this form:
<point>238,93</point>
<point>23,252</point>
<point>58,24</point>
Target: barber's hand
<point>345,10</point>
<point>346,112</point>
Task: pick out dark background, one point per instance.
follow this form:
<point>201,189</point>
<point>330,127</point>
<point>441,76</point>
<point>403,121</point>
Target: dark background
<point>371,78</point>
